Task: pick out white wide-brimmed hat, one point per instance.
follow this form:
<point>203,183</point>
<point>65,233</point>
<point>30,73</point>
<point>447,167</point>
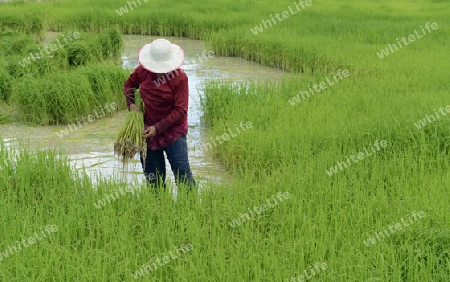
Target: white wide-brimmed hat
<point>161,56</point>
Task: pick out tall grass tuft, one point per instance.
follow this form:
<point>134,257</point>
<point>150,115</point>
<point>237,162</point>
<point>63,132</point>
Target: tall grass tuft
<point>24,56</point>
<point>65,97</point>
<point>52,88</point>
<point>15,43</point>
<point>24,22</point>
<point>5,85</point>
<point>105,46</point>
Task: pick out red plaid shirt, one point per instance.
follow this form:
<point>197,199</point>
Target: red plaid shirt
<point>166,102</point>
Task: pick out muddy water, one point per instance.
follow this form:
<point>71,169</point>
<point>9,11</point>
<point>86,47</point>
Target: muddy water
<point>91,146</point>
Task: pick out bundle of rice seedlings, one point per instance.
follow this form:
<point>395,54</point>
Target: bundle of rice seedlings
<point>129,141</point>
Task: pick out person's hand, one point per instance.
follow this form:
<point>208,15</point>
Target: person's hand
<point>133,107</point>
<point>149,132</point>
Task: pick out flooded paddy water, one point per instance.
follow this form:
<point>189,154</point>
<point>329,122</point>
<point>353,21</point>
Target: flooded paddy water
<point>90,147</point>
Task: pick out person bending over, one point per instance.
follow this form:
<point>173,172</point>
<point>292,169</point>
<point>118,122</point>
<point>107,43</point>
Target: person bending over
<point>163,86</point>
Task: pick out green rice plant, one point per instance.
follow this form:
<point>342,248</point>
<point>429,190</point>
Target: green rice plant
<point>65,97</point>
<point>12,22</point>
<point>266,106</point>
<point>292,147</point>
<point>22,22</point>
<point>107,82</point>
<point>16,70</point>
<point>220,224</point>
<point>97,76</point>
<point>105,45</point>
<point>79,53</point>
<point>5,113</point>
<point>14,43</point>
<point>25,59</point>
<point>95,48</point>
<point>24,56</point>
<point>288,149</point>
<point>115,38</point>
<point>5,85</point>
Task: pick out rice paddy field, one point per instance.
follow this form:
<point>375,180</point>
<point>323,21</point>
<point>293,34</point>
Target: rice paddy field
<point>340,171</point>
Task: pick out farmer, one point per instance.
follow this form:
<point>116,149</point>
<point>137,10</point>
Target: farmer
<point>163,87</point>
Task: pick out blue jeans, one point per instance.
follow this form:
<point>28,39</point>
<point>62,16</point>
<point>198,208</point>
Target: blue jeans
<point>155,165</point>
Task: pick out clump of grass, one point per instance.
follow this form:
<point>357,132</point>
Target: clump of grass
<point>15,43</point>
<point>5,113</point>
<point>79,53</point>
<point>115,44</point>
<point>24,56</point>
<point>95,48</point>
<point>5,85</point>
<point>68,96</point>
<point>22,22</point>
<point>129,141</point>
